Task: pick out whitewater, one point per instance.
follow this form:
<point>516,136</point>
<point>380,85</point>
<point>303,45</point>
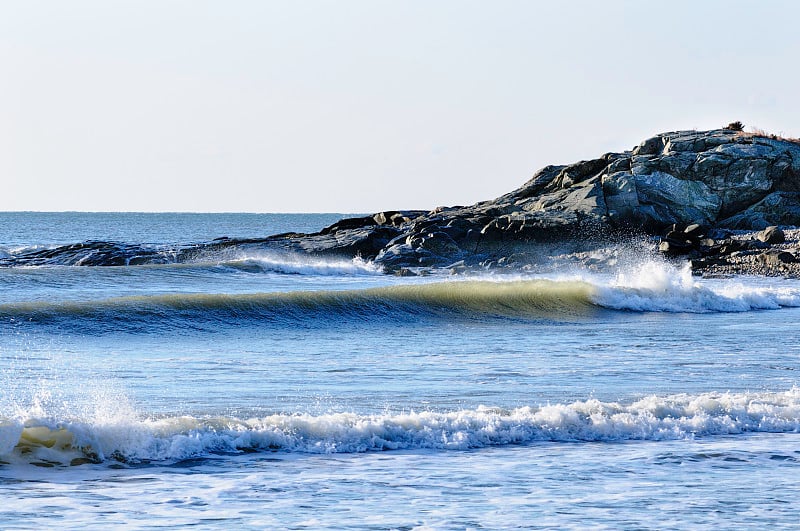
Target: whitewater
<point>257,389</point>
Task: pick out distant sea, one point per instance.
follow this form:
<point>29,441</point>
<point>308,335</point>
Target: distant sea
<point>255,390</point>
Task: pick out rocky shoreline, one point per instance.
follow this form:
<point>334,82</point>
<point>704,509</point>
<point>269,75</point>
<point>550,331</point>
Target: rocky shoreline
<point>726,201</point>
<point>708,197</point>
<point>774,252</point>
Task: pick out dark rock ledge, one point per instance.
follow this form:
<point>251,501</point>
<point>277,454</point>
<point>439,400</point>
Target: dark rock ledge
<point>701,196</point>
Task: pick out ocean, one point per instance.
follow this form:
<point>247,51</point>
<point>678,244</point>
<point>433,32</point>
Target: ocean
<point>259,390</point>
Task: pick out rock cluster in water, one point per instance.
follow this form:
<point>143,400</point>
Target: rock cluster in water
<point>696,189</point>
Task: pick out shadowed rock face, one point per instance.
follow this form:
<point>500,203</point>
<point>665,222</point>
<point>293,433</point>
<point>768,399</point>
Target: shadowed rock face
<point>720,179</point>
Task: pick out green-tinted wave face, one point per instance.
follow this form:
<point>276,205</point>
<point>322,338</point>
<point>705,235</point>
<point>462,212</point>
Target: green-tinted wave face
<point>535,299</point>
<point>539,298</point>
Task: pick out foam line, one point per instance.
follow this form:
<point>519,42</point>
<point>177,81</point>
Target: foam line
<point>651,418</point>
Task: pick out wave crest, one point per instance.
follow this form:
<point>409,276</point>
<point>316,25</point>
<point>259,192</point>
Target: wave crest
<point>660,287</point>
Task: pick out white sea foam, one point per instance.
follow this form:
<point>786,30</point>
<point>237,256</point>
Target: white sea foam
<point>304,265</point>
<point>661,287</point>
<point>10,433</point>
<point>128,437</point>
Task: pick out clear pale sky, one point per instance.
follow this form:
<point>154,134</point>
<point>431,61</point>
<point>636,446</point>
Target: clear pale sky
<point>359,106</point>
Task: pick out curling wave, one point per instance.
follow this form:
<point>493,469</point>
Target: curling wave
<point>652,288</point>
<point>524,299</point>
<point>52,442</point>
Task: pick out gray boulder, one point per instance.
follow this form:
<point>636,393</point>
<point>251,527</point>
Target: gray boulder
<point>771,235</point>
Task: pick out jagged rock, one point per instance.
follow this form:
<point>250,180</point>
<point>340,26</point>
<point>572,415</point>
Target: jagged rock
<point>366,241</point>
<point>666,199</point>
<point>622,198</point>
<point>396,217</point>
<point>771,235</point>
<point>437,242</point>
<point>91,253</point>
<point>651,146</point>
<point>678,240</point>
<point>706,262</point>
<point>673,248</point>
<point>688,240</point>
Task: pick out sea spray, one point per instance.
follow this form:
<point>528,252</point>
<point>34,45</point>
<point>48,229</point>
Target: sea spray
<point>659,286</point>
<point>64,411</point>
<point>296,264</point>
<point>652,418</point>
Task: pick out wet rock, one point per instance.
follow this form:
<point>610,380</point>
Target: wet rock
<point>91,253</point>
<point>703,263</point>
<point>366,242</point>
<point>687,240</point>
<point>675,243</point>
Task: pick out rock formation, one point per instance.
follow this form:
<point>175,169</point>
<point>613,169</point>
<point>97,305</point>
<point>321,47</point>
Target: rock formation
<point>692,188</point>
<point>720,179</point>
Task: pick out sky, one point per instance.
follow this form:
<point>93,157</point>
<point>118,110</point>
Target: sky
<point>363,105</point>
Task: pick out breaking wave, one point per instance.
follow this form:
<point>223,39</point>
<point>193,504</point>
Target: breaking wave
<point>654,287</point>
<point>660,287</point>
<point>302,265</point>
<point>129,438</point>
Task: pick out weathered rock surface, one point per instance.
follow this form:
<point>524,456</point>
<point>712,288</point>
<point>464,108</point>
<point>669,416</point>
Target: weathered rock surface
<point>720,179</point>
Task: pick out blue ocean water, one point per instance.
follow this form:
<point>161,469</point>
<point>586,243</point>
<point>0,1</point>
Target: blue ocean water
<point>260,390</point>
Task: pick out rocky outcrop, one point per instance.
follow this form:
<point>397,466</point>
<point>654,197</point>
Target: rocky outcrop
<point>720,179</point>
<point>683,186</point>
